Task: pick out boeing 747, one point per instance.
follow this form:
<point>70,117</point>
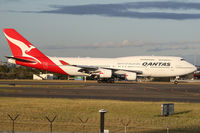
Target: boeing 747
<point>104,69</point>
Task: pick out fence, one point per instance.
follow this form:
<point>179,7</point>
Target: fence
<point>90,125</point>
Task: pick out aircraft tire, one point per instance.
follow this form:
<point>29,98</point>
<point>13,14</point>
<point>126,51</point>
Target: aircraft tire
<point>175,82</point>
<point>99,81</point>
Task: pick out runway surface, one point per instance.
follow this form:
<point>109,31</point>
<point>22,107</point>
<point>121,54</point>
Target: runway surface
<point>92,90</point>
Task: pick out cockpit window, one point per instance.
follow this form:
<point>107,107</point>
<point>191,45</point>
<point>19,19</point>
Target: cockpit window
<point>182,59</point>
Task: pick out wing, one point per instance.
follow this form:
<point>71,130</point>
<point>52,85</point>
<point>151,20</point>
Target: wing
<point>133,71</point>
<point>91,69</point>
<point>87,69</point>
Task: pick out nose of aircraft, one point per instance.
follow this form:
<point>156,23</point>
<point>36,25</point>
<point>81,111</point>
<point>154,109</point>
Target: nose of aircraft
<point>193,68</point>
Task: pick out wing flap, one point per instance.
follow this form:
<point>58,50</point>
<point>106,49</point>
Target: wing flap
<point>134,71</point>
<point>89,69</point>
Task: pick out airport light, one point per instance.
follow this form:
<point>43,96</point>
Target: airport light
<point>102,112</point>
<point>167,129</point>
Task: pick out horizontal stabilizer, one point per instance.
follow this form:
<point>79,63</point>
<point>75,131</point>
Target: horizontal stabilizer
<point>22,60</point>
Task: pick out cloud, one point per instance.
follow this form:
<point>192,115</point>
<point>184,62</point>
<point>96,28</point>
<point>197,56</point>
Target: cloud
<point>8,1</point>
<point>130,10</point>
<point>176,47</point>
<point>150,46</point>
<point>124,43</point>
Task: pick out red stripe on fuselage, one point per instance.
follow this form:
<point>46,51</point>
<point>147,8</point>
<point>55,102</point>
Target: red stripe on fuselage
<point>46,64</point>
<point>63,62</point>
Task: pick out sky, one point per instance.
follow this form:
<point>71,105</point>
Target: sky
<point>102,28</point>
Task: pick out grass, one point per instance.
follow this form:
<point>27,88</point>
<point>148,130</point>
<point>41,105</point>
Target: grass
<point>144,116</point>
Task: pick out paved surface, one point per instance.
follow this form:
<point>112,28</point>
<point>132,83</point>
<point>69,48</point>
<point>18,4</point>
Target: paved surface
<point>117,91</point>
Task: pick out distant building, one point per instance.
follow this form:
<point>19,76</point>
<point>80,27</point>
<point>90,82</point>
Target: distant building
<point>41,76</point>
<point>78,77</point>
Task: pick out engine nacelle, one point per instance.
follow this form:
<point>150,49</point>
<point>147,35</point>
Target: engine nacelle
<point>12,61</point>
<point>104,73</point>
<point>130,76</point>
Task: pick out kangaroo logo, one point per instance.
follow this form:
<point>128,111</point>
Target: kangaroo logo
<point>24,48</point>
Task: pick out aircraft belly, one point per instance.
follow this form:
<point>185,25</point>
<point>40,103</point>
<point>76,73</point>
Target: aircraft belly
<point>159,72</point>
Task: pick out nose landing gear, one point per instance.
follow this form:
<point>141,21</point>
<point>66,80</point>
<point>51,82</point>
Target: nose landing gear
<point>176,80</point>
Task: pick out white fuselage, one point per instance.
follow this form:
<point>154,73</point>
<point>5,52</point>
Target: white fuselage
<point>25,54</point>
<point>150,66</point>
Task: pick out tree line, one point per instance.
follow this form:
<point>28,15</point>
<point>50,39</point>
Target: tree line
<point>21,72</point>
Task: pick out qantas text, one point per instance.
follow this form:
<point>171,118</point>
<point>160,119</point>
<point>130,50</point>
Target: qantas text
<point>156,64</point>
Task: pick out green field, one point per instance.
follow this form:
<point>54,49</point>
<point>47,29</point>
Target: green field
<point>144,116</point>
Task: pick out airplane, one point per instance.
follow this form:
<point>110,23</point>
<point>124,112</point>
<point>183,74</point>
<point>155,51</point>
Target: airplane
<point>103,69</point>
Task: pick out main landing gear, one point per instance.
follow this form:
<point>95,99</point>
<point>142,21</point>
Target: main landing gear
<point>105,80</point>
<point>175,82</point>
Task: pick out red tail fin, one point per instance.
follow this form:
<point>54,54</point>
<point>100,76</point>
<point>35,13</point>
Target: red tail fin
<point>28,55</point>
<point>20,47</point>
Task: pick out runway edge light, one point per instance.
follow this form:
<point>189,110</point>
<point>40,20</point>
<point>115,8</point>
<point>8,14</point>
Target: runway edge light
<point>102,112</point>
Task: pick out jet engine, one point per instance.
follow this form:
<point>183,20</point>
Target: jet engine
<point>130,76</point>
<point>104,73</point>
